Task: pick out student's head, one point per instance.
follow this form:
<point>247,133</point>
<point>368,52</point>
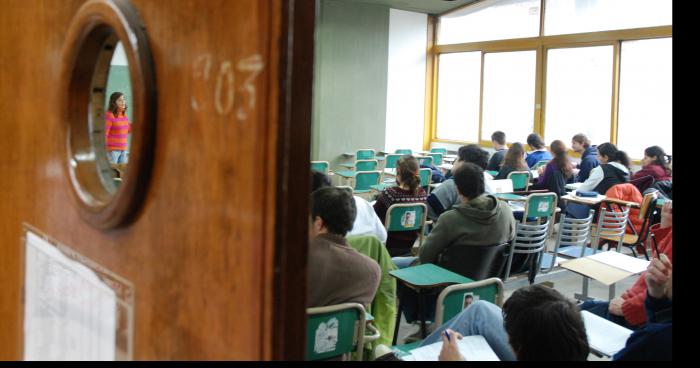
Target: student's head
<point>655,155</point>
<point>580,143</point>
<point>543,325</point>
<point>498,138</point>
<point>117,103</point>
<point>469,179</point>
<point>474,154</point>
<point>332,211</point>
<point>319,180</point>
<point>607,152</point>
<point>535,141</point>
<point>407,172</point>
<point>561,159</point>
<point>515,157</point>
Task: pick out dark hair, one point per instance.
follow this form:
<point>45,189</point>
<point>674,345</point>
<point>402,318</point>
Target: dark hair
<point>407,172</point>
<point>515,157</point>
<point>544,325</point>
<point>469,179</point>
<point>113,103</point>
<point>474,154</point>
<point>499,137</point>
<point>319,180</point>
<point>662,159</point>
<point>581,138</point>
<point>560,159</point>
<point>535,141</point>
<point>613,154</point>
<point>336,207</point>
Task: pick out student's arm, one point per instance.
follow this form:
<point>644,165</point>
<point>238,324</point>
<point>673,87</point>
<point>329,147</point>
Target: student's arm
<point>593,180</point>
<point>108,125</point>
<point>379,229</point>
<point>633,307</point>
<point>585,169</point>
<point>434,243</point>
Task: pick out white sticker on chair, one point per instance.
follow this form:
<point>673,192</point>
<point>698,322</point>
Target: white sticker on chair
<point>326,336</point>
<point>408,219</point>
<point>543,207</point>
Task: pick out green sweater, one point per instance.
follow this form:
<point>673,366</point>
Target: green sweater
<point>483,221</point>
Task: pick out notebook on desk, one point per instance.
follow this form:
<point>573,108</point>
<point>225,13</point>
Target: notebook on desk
<point>604,337</point>
<point>474,348</point>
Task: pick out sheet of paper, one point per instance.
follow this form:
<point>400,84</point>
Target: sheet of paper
<point>446,166</point>
<point>573,186</point>
<point>604,336</point>
<point>501,186</point>
<point>474,348</point>
<point>69,314</point>
<point>621,261</point>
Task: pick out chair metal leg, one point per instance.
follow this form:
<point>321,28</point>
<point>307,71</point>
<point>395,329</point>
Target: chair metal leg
<point>584,292</point>
<point>421,313</point>
<point>611,292</point>
<point>398,323</point>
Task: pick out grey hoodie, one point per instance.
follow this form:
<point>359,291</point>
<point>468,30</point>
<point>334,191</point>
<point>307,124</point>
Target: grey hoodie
<point>483,221</point>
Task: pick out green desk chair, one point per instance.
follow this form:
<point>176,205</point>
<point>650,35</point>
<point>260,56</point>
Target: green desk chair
<point>334,331</point>
<point>426,176</point>
<point>361,154</point>
<point>366,165</point>
<point>320,166</point>
<point>365,179</point>
<point>439,150</point>
<point>407,217</point>
<point>454,299</point>
<point>391,160</point>
<point>437,158</point>
<point>521,180</point>
<point>404,151</point>
<point>493,173</point>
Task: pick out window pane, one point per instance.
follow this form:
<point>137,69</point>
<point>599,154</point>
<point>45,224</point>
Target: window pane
<point>645,114</point>
<point>579,94</point>
<point>577,16</point>
<point>509,94</point>
<point>458,96</point>
<point>491,20</point>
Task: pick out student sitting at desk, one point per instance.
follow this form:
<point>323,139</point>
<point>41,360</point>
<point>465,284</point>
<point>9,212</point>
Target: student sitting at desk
<point>499,144</point>
<point>613,169</point>
<point>539,152</point>
<point>445,196</point>
<point>514,161</point>
<point>589,156</point>
<point>366,221</point>
<point>656,163</point>
<point>628,310</point>
<point>408,190</point>
<point>536,323</point>
<point>337,273</point>
<point>557,172</point>
<point>654,341</point>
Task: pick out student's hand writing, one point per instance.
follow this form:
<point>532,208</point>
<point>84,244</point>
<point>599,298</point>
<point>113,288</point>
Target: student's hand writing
<point>658,277</point>
<point>667,215</point>
<point>450,351</point>
<point>615,306</point>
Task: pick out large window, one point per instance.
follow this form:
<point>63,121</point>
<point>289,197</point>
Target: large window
<point>491,20</point>
<point>458,96</point>
<point>509,80</point>
<point>579,93</point>
<point>645,114</point>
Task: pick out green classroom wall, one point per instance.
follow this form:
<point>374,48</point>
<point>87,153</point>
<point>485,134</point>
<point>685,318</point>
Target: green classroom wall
<point>350,81</point>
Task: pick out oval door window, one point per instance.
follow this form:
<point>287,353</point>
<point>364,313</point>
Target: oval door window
<point>108,104</point>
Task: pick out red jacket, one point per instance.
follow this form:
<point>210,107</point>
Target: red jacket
<point>633,306</point>
<point>630,193</point>
<point>657,171</point>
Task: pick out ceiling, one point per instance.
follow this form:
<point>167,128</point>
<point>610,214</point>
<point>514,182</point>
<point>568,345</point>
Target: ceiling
<point>421,6</point>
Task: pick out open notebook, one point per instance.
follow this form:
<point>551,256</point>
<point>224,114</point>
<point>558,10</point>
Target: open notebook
<point>474,348</point>
<point>604,336</point>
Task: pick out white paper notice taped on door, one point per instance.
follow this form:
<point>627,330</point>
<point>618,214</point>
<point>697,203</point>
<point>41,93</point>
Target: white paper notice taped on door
<point>69,313</point>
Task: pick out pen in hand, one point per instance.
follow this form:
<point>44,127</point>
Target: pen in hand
<point>447,335</point>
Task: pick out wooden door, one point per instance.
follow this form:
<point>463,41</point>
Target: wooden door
<point>217,252</point>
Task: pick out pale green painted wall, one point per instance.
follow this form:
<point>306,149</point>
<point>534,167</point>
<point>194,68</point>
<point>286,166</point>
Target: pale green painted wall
<point>350,81</point>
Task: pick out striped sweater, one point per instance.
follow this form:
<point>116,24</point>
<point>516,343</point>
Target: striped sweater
<point>117,130</point>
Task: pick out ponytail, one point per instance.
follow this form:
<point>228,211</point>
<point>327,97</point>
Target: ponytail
<point>407,172</point>
<point>662,159</point>
<point>622,158</point>
<point>613,154</point>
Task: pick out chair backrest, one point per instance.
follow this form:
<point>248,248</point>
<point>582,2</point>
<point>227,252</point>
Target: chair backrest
<point>611,224</point>
<point>572,232</point>
<point>320,166</point>
<point>648,204</point>
<point>540,164</point>
<point>404,151</point>
<point>439,150</point>
<point>455,298</point>
<point>426,176</point>
<point>405,216</point>
<point>477,262</point>
<point>529,239</point>
<point>365,154</point>
<point>365,179</point>
<point>425,161</point>
<point>366,165</point>
<point>437,158</point>
<point>334,330</point>
<point>521,180</point>
<point>390,160</point>
<point>540,205</point>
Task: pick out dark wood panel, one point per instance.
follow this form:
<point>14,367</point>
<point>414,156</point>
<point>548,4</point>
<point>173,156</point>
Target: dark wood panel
<point>218,247</point>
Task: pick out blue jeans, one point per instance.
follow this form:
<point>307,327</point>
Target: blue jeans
<point>480,318</point>
<point>600,308</point>
<point>403,262</point>
<point>118,157</point>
